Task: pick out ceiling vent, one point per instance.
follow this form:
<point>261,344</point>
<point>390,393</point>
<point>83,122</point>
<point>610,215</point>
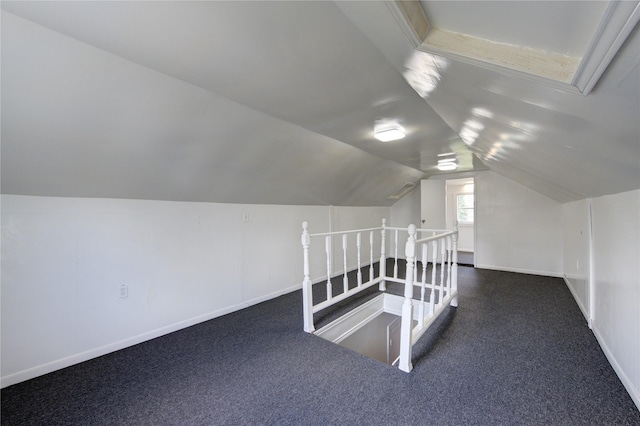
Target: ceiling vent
<point>402,191</point>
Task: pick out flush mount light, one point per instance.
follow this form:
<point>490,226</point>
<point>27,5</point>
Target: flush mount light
<point>388,133</point>
<point>447,166</point>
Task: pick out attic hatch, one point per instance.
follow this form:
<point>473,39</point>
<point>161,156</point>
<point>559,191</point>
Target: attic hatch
<point>577,74</point>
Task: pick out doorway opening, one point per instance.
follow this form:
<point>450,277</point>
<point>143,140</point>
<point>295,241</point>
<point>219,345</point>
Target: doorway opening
<point>460,208</point>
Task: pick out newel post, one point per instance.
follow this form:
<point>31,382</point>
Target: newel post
<point>307,295</point>
<point>383,256</point>
<point>454,268</point>
<point>407,306</point>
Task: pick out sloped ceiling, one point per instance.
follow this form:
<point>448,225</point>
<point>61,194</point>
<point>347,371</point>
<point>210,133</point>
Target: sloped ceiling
<point>275,102</point>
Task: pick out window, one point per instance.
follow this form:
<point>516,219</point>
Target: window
<point>465,208</point>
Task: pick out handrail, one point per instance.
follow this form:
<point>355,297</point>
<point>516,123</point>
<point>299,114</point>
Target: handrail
<point>435,237</point>
<point>351,231</point>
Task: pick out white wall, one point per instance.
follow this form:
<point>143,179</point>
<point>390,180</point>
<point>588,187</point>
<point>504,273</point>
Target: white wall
<point>64,259</point>
<point>406,211</point>
<point>517,229</point>
<point>616,281</point>
<point>576,240</point>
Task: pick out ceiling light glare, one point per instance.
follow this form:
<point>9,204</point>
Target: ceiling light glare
<point>389,133</point>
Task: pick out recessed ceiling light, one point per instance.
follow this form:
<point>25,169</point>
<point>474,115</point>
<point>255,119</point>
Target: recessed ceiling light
<point>388,133</point>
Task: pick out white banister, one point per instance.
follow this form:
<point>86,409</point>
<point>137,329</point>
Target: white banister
<point>327,247</point>
<point>395,256</point>
<point>424,281</point>
<point>454,268</point>
<point>443,268</point>
<point>383,256</point>
<point>441,246</point>
<point>307,296</point>
<point>359,273</point>
<point>345,280</point>
<point>407,306</point>
<point>370,255</point>
<point>449,265</point>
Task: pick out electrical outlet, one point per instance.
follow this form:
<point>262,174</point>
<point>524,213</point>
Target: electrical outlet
<point>245,216</point>
<point>124,291</point>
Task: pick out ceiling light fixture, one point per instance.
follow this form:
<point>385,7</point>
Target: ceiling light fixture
<point>388,132</point>
<point>447,164</point>
<point>445,167</point>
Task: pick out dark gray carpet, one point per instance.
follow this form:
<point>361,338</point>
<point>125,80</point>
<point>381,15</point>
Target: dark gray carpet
<point>516,351</point>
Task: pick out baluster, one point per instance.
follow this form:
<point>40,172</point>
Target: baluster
<point>407,306</point>
<point>454,272</point>
<point>358,244</point>
<point>443,268</point>
<point>370,255</point>
<point>423,284</point>
<point>307,294</point>
<point>425,262</point>
<point>434,267</point>
<point>395,263</point>
<point>345,279</point>
<point>449,266</point>
<point>383,256</point>
<point>327,247</point>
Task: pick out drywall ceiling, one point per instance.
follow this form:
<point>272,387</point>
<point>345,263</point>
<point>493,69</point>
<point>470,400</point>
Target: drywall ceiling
<point>275,102</point>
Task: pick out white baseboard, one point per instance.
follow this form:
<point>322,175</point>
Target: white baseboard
<point>70,360</point>
<point>628,384</point>
<point>520,271</point>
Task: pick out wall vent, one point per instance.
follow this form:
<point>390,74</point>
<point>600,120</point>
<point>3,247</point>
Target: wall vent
<point>400,192</point>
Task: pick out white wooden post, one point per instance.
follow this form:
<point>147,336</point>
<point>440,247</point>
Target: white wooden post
<point>359,244</point>
<point>422,287</point>
<point>448,266</point>
<point>307,295</point>
<point>407,306</point>
<point>370,255</point>
<point>443,268</point>
<point>383,257</point>
<point>395,257</point>
<point>327,248</point>
<point>345,279</point>
<point>434,268</point>
<point>454,270</point>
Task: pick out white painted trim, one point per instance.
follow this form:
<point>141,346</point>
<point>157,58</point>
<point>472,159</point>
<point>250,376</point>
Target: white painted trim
<point>68,361</point>
<point>628,384</point>
<point>520,271</point>
<point>583,309</point>
<point>408,28</point>
<point>619,20</point>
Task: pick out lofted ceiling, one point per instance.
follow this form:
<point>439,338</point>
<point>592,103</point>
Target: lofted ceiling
<point>275,102</point>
